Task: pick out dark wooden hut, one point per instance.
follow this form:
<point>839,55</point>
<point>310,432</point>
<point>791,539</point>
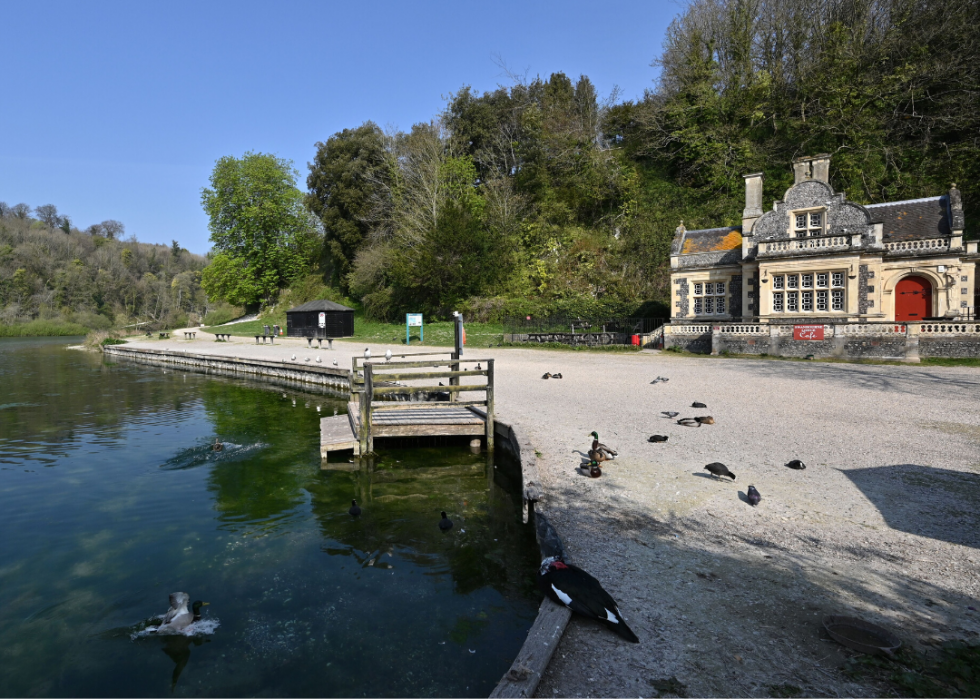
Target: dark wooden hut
<point>320,319</point>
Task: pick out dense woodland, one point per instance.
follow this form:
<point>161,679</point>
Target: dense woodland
<point>543,196</point>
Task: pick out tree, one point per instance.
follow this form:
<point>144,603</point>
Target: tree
<point>112,229</point>
<point>65,225</point>
<point>263,237</point>
<point>345,183</point>
<point>175,250</point>
<point>20,211</point>
<point>48,214</point>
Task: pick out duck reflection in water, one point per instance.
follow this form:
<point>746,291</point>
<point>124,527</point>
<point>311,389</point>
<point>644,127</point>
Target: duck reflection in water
<point>178,649</point>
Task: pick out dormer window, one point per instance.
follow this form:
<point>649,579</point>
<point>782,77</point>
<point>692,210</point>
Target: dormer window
<point>808,223</point>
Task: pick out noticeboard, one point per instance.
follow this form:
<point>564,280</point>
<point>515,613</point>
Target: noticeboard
<point>413,320</point>
<point>807,332</point>
<point>322,320</point>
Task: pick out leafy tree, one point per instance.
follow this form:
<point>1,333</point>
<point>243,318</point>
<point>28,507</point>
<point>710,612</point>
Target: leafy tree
<point>48,214</point>
<point>175,250</point>
<point>263,237</point>
<point>65,225</point>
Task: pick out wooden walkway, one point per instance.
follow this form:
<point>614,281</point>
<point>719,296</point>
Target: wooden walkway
<point>368,418</point>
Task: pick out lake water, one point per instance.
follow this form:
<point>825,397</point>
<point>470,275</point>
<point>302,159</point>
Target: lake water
<point>110,499</point>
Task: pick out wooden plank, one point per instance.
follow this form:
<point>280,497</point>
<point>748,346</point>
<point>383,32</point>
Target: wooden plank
<point>532,660</point>
<point>427,430</point>
<point>429,375</point>
<point>414,405</point>
<point>391,390</point>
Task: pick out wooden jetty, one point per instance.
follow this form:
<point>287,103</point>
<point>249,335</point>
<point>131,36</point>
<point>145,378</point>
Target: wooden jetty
<point>383,404</point>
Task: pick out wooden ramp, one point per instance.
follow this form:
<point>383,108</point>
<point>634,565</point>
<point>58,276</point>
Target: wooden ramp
<point>339,433</point>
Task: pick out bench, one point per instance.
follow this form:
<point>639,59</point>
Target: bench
<point>164,336</point>
<point>319,342</point>
<point>222,337</point>
<point>189,335</point>
<point>272,338</point>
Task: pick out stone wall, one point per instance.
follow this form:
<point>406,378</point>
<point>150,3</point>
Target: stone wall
<point>953,347</point>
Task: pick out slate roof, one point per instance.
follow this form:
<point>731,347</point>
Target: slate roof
<point>914,219</point>
<point>712,240</point>
<point>319,305</point>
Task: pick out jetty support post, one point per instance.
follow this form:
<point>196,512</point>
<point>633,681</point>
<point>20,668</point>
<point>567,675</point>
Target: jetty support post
<point>366,441</point>
<point>489,429</point>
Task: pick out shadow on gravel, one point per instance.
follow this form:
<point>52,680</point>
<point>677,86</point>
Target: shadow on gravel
<point>925,501</point>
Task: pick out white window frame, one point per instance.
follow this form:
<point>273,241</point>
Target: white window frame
<point>814,223</point>
<point>709,295</point>
<point>822,301</point>
<point>837,300</point>
<point>821,283</point>
<point>778,281</point>
<point>777,302</point>
<point>837,280</point>
<point>792,301</point>
<point>792,281</point>
<point>806,302</point>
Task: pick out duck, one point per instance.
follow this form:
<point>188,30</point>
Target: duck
<point>658,438</point>
<point>689,422</point>
<point>355,509</point>
<point>595,470</point>
<point>797,464</point>
<point>602,448</point>
<point>753,496</point>
<point>178,617</point>
<point>583,594</point>
<point>719,469</point>
<point>547,375</point>
<point>556,376</point>
<point>217,446</point>
<point>696,404</point>
<point>445,524</point>
<point>706,420</point>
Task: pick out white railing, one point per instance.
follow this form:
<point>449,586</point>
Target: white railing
<point>743,329</point>
<point>689,329</point>
<point>949,328</point>
<point>817,242</point>
<point>870,329</point>
<point>931,244</point>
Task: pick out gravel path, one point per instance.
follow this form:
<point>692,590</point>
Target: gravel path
<point>884,523</point>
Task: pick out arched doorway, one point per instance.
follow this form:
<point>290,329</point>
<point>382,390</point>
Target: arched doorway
<point>913,299</point>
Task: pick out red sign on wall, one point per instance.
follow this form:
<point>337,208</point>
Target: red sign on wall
<point>807,332</point>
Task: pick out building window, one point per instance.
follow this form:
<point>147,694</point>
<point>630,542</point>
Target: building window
<point>791,302</point>
<point>822,300</point>
<point>777,282</point>
<point>698,306</point>
<point>709,305</point>
<point>807,301</point>
<point>837,299</point>
<point>777,302</point>
<point>720,304</point>
<point>809,224</point>
<point>806,281</point>
<point>698,289</point>
<point>837,279</point>
<point>792,281</point>
<point>821,280</point>
<point>709,298</point>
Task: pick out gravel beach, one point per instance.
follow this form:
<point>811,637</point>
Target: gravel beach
<point>725,597</point>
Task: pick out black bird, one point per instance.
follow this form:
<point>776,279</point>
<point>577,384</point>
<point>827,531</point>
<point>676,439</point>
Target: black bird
<point>445,524</point>
<point>753,496</point>
<point>583,594</point>
<point>547,375</point>
<point>696,404</point>
<point>354,510</point>
<point>797,464</point>
<point>658,438</point>
<point>669,413</point>
<point>718,469</point>
<point>556,376</point>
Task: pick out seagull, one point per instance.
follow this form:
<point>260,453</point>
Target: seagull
<point>797,464</point>
<point>293,357</point>
<point>388,356</point>
<point>720,470</point>
<point>318,360</point>
<point>307,359</point>
<point>753,496</point>
<point>335,362</point>
<point>367,352</point>
<point>669,413</point>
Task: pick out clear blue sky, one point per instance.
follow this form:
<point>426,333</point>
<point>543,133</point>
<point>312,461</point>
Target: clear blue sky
<point>120,109</point>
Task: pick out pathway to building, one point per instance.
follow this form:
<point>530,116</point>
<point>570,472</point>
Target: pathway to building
<point>884,523</point>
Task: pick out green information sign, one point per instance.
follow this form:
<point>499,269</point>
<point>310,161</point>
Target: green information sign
<point>413,320</point>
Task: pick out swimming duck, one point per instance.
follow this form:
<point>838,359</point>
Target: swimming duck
<point>178,617</point>
<point>658,438</point>
<point>602,448</point>
<point>445,524</point>
<point>753,496</point>
<point>583,594</point>
<point>719,469</point>
<point>217,446</point>
<point>355,509</point>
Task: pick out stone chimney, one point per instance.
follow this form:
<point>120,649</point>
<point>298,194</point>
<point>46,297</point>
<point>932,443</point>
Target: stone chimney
<point>812,167</point>
<point>753,201</point>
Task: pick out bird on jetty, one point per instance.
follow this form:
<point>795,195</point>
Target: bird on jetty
<point>706,420</point>
<point>797,464</point>
<point>293,357</point>
<point>669,413</point>
<point>607,452</point>
<point>355,509</point>
<point>696,404</point>
<point>318,360</point>
<point>178,617</point>
<point>583,594</point>
<point>658,438</point>
<point>388,356</point>
<point>445,524</point>
<point>478,367</point>
<point>217,446</point>
<point>753,496</point>
<point>306,359</point>
<point>367,352</point>
<point>719,469</point>
<point>335,362</point>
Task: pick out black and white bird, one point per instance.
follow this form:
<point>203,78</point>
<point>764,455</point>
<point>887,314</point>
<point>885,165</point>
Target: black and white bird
<point>669,413</point>
<point>547,375</point>
<point>797,464</point>
<point>445,524</point>
<point>388,356</point>
<point>367,352</point>
<point>355,509</point>
<point>696,404</point>
<point>660,379</point>
<point>719,469</point>
<point>478,367</point>
<point>753,496</point>
<point>556,376</point>
<point>658,438</point>
<point>583,594</point>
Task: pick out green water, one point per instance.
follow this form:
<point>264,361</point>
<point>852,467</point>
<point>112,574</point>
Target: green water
<point>110,499</point>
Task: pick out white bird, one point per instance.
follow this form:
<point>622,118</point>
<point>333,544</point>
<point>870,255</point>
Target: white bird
<point>318,360</point>
<point>178,617</point>
<point>335,362</point>
<point>367,352</point>
<point>388,356</point>
<point>293,357</point>
<point>307,359</point>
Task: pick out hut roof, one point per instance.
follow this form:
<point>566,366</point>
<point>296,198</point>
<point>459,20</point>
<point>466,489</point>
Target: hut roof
<point>319,305</point>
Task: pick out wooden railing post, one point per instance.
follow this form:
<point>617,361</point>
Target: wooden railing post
<point>489,433</point>
<point>364,436</point>
<point>454,380</point>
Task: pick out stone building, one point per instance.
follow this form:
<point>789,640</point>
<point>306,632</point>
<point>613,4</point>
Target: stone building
<point>817,258</point>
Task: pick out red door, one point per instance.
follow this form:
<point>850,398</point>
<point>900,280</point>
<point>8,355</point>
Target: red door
<point>913,299</point>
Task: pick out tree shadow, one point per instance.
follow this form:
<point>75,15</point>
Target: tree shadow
<point>925,501</point>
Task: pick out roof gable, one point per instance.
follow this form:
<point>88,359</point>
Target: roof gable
<point>319,305</point>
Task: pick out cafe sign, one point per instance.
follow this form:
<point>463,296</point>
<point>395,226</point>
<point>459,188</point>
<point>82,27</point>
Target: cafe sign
<point>807,332</point>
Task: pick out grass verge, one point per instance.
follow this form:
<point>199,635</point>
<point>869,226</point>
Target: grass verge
<point>42,328</point>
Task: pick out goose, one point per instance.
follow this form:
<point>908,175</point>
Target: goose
<point>602,448</point>
<point>178,617</point>
<point>354,510</point>
<point>719,469</point>
<point>445,524</point>
<point>583,594</point>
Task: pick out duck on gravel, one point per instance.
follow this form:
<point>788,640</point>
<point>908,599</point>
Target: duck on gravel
<point>595,470</point>
<point>797,464</point>
<point>658,438</point>
<point>556,376</point>
<point>601,448</point>
<point>583,594</point>
<point>706,420</point>
<point>689,422</point>
<point>547,375</point>
<point>753,496</point>
<point>696,404</point>
<point>719,469</point>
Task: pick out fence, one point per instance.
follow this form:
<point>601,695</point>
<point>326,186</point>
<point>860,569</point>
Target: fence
<point>578,330</point>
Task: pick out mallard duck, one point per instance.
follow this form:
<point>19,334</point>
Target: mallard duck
<point>598,455</point>
<point>594,469</point>
<point>689,422</point>
<point>597,447</point>
<point>797,464</point>
<point>696,404</point>
<point>556,376</point>
<point>445,524</point>
<point>706,420</point>
<point>217,446</point>
<point>719,469</point>
<point>178,617</point>
<point>547,375</point>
